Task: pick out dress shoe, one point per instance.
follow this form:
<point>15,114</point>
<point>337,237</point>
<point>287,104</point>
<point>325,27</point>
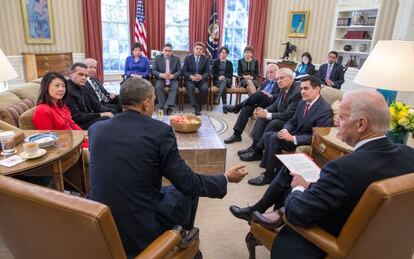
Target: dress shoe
<point>253,155</point>
<point>270,220</point>
<point>230,108</point>
<point>244,151</point>
<point>260,180</point>
<point>232,139</point>
<point>197,111</point>
<point>168,111</point>
<point>241,213</point>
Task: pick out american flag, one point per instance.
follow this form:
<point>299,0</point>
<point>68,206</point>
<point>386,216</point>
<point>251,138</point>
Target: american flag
<point>140,32</point>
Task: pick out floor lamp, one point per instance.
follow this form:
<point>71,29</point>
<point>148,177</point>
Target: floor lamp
<point>389,68</point>
<point>7,71</point>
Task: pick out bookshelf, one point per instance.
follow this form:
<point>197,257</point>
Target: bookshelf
<point>353,35</point>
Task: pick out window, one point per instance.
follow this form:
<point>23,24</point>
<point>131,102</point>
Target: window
<point>115,35</point>
<point>236,19</point>
<point>177,23</point>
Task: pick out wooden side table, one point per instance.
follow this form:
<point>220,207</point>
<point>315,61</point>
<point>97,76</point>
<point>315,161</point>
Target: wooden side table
<point>326,146</point>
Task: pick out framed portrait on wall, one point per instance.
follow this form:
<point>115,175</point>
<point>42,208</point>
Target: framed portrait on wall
<point>298,24</point>
<point>37,21</point>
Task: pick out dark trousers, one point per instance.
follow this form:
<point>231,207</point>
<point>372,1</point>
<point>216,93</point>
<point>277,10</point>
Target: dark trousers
<point>272,146</point>
<point>87,124</point>
<point>176,208</point>
<point>263,125</point>
<point>287,242</point>
<point>172,93</point>
<point>202,95</point>
<point>223,85</point>
<point>246,108</point>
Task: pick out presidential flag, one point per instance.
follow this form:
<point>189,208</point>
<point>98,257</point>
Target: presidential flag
<point>140,32</point>
<point>213,32</point>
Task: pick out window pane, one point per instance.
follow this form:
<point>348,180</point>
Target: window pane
<point>176,23</point>
<point>235,33</point>
<point>115,34</point>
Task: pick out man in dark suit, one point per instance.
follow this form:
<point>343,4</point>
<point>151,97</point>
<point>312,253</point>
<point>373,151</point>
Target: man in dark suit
<point>327,203</point>
<point>332,73</point>
<point>84,107</point>
<point>167,69</point>
<point>110,100</point>
<point>312,111</point>
<point>196,70</point>
<point>264,97</point>
<point>127,177</point>
<point>274,116</point>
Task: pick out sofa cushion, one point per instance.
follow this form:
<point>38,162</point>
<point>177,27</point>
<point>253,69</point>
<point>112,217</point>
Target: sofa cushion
<point>7,98</point>
<point>12,113</point>
<point>27,90</point>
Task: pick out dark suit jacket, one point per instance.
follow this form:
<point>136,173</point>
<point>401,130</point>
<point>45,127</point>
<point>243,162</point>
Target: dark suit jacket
<point>215,69</point>
<point>242,68</point>
<point>189,67</point>
<point>329,202</point>
<point>83,104</point>
<point>337,74</point>
<point>320,114</point>
<point>158,66</point>
<point>127,176</point>
<point>284,108</point>
<point>275,89</point>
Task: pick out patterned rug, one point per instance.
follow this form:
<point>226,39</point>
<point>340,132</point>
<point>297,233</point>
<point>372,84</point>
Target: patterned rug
<point>219,124</point>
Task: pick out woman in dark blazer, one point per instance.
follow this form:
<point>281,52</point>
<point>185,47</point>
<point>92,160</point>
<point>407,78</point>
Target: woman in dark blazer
<point>222,71</point>
<point>305,67</point>
<point>248,71</point>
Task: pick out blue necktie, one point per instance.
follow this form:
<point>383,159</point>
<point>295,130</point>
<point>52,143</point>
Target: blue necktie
<point>269,86</point>
<point>197,60</point>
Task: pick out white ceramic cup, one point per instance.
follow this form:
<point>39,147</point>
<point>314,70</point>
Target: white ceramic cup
<point>31,148</point>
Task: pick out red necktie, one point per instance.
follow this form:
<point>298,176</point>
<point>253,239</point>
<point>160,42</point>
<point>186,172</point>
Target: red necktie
<point>306,109</point>
<point>284,96</point>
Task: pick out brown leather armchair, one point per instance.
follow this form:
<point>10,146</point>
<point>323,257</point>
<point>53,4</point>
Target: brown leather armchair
<point>37,222</point>
<point>380,226</point>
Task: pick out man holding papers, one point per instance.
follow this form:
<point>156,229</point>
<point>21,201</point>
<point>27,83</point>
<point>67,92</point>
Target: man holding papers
<point>327,203</point>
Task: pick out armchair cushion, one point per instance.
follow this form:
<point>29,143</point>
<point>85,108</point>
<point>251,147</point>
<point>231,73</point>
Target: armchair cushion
<point>27,90</point>
<point>25,120</point>
<point>12,113</point>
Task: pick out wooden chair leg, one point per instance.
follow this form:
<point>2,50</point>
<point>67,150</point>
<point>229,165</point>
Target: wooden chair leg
<point>251,243</point>
<point>231,98</point>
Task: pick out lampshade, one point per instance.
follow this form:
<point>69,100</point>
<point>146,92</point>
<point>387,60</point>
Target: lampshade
<point>390,65</point>
<point>7,71</point>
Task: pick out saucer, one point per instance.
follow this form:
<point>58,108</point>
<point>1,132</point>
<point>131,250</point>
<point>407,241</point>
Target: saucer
<point>39,153</point>
<point>15,151</point>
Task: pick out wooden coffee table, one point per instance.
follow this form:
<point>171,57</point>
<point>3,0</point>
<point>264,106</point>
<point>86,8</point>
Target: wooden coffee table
<point>203,150</point>
<point>66,153</point>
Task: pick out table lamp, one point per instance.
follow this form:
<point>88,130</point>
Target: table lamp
<point>389,68</point>
<point>7,71</point>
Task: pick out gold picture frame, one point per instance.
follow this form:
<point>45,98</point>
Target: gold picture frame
<point>298,24</point>
<point>37,21</point>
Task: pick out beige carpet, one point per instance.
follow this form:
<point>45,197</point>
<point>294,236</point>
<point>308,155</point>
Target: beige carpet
<point>221,234</point>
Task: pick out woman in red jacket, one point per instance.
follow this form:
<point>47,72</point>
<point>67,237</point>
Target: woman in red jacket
<point>51,112</point>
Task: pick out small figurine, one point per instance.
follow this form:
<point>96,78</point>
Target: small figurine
<point>288,50</point>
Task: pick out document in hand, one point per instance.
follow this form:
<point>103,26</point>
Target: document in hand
<point>301,164</point>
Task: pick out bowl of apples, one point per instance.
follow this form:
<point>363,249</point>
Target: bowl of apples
<point>185,123</point>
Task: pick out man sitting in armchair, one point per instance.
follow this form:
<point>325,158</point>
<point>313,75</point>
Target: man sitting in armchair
<point>327,203</point>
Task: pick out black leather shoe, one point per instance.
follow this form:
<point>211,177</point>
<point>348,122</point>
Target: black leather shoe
<point>230,108</point>
<point>197,111</point>
<point>270,220</point>
<point>241,213</point>
<point>260,180</point>
<point>244,151</point>
<point>168,111</point>
<point>232,139</point>
<point>253,155</point>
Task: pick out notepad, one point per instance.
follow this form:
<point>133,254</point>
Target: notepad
<point>11,161</point>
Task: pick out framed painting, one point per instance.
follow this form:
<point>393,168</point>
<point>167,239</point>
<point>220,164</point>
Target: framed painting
<point>298,24</point>
<point>37,21</point>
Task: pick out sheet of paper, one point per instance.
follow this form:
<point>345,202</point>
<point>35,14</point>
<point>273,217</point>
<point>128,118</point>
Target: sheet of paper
<point>301,164</point>
<point>11,161</point>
